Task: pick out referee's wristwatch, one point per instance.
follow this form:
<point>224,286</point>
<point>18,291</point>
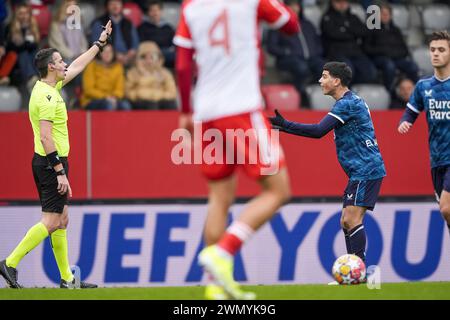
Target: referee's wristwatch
<point>61,172</point>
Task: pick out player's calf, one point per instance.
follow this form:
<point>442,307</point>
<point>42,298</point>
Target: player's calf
<point>351,217</point>
<point>52,221</point>
<point>354,231</point>
<point>279,186</point>
<point>445,211</point>
<point>444,206</point>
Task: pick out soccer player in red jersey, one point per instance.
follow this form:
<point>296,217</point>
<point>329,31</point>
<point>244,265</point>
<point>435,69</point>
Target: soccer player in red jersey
<point>224,36</point>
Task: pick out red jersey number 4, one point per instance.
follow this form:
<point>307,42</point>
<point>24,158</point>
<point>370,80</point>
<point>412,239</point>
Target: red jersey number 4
<point>219,33</point>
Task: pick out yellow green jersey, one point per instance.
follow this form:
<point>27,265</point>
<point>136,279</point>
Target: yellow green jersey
<point>46,103</point>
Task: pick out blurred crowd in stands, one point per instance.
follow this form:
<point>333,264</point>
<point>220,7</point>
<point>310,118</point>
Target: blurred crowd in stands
<point>137,70</point>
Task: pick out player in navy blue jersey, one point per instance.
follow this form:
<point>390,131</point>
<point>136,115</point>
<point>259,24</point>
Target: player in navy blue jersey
<point>432,95</point>
<point>356,147</point>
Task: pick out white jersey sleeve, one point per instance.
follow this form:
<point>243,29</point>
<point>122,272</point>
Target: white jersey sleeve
<point>225,37</point>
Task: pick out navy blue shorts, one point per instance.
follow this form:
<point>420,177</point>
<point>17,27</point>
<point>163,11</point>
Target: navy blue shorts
<point>362,193</point>
<point>441,179</point>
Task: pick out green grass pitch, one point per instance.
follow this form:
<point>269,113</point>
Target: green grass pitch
<point>400,291</point>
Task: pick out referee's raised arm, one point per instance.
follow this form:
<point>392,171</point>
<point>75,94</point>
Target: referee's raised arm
<point>78,65</point>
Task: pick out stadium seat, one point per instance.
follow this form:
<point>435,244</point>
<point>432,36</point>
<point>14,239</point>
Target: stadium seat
<point>132,11</point>
<point>421,56</point>
<point>375,95</point>
<point>88,15</point>
<point>309,3</point>
<point>436,17</point>
<point>313,14</point>
<point>317,99</point>
<point>43,16</point>
<point>273,75</point>
<point>281,96</point>
<point>359,11</point>
<point>171,13</point>
<point>10,99</point>
<point>422,2</point>
<point>401,18</point>
<point>415,16</point>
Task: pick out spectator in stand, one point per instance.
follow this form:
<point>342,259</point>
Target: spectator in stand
<point>125,37</point>
<point>103,83</point>
<point>388,49</point>
<point>68,39</point>
<point>142,4</point>
<point>7,59</point>
<point>23,38</point>
<point>300,54</point>
<point>367,3</point>
<point>153,28</point>
<point>149,85</point>
<point>342,36</point>
<point>403,92</point>
<point>3,12</point>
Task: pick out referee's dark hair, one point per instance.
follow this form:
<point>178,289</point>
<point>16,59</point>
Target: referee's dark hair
<point>339,70</point>
<point>42,59</point>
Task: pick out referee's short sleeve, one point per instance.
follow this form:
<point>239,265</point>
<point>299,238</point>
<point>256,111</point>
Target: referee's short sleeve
<point>47,107</point>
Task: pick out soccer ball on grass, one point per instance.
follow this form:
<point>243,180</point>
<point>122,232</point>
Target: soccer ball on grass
<point>349,269</point>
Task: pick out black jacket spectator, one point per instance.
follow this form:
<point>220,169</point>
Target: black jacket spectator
<point>388,49</point>
<point>155,29</point>
<point>387,41</point>
<point>125,39</point>
<point>162,34</point>
<point>281,45</point>
<point>126,27</point>
<point>301,54</point>
<point>342,33</point>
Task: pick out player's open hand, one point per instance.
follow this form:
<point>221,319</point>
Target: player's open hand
<point>278,121</point>
<point>106,32</point>
<point>404,127</point>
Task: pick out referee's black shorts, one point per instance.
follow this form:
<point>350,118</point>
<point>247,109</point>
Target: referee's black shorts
<point>47,184</point>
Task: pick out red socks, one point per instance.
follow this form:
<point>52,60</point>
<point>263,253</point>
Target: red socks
<point>235,236</point>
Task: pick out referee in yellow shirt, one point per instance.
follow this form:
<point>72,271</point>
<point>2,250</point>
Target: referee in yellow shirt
<point>48,116</point>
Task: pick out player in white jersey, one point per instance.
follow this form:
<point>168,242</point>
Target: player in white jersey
<point>224,36</point>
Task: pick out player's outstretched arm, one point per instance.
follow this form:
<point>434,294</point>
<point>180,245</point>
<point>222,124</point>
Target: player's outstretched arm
<point>78,65</point>
<point>316,131</point>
